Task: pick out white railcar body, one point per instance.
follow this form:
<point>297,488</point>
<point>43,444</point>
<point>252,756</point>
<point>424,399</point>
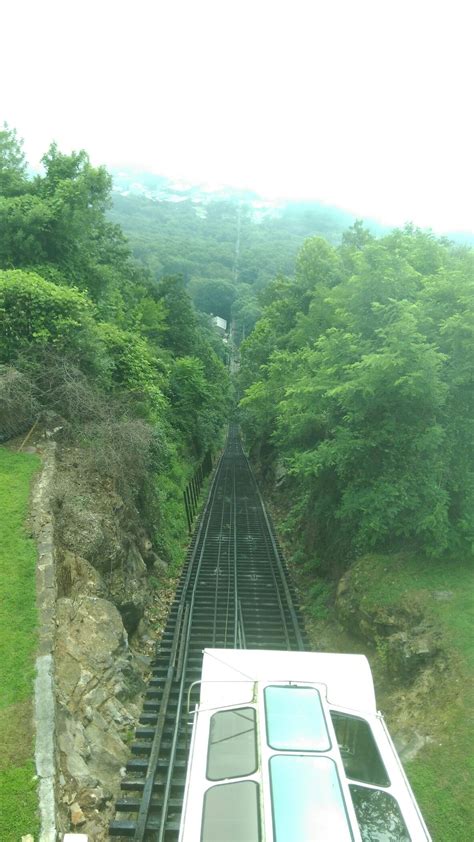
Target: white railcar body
<point>289,747</point>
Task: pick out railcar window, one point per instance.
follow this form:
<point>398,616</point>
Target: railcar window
<point>232,744</point>
<point>307,801</point>
<point>378,815</point>
<point>231,813</point>
<point>295,719</point>
<point>359,752</point>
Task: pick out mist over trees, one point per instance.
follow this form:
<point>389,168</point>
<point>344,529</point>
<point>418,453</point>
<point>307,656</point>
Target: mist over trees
<point>227,250</point>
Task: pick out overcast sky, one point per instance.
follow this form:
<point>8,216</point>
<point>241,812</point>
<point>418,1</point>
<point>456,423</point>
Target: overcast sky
<point>366,104</point>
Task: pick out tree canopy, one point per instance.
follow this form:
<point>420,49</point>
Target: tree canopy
<point>358,380</point>
<point>88,331</point>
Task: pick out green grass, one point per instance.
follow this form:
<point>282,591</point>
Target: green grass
<point>171,527</point>
<point>442,774</point>
<point>400,578</point>
<point>172,536</point>
<point>18,803</point>
<point>441,778</point>
<point>18,619</point>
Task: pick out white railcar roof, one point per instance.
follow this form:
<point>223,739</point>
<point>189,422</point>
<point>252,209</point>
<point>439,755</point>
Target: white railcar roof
<point>347,678</point>
<point>291,742</point>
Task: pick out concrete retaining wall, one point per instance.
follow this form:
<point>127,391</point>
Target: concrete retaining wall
<point>44,706</point>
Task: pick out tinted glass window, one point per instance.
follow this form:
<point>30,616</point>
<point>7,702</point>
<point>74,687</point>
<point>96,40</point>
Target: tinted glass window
<point>359,752</point>
<point>232,744</point>
<point>295,719</point>
<point>378,815</point>
<point>307,801</point>
<point>231,813</point>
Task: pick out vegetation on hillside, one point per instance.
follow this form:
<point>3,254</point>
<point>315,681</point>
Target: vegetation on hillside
<point>433,703</point>
<point>88,333</point>
<point>226,250</point>
<point>357,407</point>
<point>357,385</point>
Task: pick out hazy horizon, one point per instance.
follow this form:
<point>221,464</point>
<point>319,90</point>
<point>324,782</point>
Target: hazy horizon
<point>281,200</point>
<point>363,107</point>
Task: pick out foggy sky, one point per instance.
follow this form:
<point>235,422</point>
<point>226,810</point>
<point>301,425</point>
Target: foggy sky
<point>364,105</point>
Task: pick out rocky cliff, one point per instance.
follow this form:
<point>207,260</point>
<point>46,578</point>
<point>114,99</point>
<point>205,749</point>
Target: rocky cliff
<point>112,595</point>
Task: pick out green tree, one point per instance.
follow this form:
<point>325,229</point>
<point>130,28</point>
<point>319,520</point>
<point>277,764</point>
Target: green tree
<point>180,335</point>
<point>358,379</point>
<point>36,313</point>
<point>25,226</point>
<point>134,367</point>
<point>213,296</point>
<point>13,181</point>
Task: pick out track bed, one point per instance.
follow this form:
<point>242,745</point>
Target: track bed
<point>234,593</point>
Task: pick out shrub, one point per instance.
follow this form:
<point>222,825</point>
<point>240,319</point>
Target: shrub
<point>18,402</point>
<point>36,314</point>
<point>133,365</point>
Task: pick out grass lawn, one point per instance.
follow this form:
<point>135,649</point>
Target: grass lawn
<point>18,798</point>
<point>442,774</point>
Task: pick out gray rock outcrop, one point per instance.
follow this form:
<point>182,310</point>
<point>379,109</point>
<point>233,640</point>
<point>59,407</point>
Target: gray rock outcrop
<point>98,686</point>
<point>402,634</point>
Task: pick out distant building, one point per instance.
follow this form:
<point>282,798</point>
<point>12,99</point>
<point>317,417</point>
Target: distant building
<point>220,324</point>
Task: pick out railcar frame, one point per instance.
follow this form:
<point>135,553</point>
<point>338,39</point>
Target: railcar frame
<point>290,747</point>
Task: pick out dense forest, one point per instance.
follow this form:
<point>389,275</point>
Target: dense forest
<point>356,379</point>
<point>226,247</point>
<point>228,244</point>
<point>358,399</point>
<point>134,374</point>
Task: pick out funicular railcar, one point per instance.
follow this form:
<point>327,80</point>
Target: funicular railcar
<point>289,747</point>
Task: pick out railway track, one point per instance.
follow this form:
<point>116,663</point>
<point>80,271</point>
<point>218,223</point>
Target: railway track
<point>234,592</point>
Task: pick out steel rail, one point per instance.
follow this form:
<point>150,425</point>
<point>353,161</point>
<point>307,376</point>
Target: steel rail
<point>218,570</point>
<point>235,589</point>
<point>283,573</point>
<point>278,597</point>
<point>242,601</point>
<point>154,754</point>
<point>182,687</point>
